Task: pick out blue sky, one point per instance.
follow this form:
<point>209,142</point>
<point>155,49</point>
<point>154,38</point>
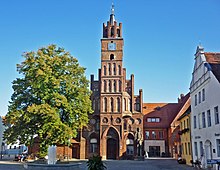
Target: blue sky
<point>160,38</point>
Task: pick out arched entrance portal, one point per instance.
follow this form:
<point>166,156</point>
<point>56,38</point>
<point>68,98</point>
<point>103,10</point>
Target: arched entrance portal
<point>208,149</point>
<point>112,144</point>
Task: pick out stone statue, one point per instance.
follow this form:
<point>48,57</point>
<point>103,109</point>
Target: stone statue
<point>139,141</point>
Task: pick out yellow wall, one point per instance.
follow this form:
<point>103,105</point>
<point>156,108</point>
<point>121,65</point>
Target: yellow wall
<point>186,139</point>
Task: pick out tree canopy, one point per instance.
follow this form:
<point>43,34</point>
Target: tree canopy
<point>51,99</point>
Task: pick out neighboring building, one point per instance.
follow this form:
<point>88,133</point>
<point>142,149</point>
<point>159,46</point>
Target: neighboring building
<point>185,135</point>
<point>161,127</point>
<point>115,130</point>
<point>157,119</point>
<point>205,97</point>
<point>8,151</point>
<point>173,136</point>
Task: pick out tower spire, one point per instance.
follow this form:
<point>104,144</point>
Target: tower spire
<point>112,16</point>
<point>112,9</point>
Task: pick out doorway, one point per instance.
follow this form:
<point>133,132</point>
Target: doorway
<point>112,144</point>
<point>154,151</point>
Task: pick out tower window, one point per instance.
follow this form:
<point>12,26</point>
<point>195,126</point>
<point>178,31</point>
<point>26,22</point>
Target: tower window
<point>119,69</point>
<point>105,70</point>
<point>118,104</point>
<point>114,68</point>
<point>118,32</point>
<point>112,32</point>
<point>109,69</point>
<point>112,57</point>
<point>105,105</point>
<point>114,85</point>
<point>105,85</point>
<point>110,86</point>
<point>112,105</point>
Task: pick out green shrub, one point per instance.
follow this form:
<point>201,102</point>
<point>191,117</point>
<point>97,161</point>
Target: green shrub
<point>96,163</point>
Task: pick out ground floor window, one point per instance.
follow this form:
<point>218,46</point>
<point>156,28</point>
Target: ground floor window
<point>130,150</point>
<point>195,148</point>
<point>93,145</point>
<point>130,146</point>
<point>154,151</point>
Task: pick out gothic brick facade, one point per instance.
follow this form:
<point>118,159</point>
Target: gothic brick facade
<point>115,128</point>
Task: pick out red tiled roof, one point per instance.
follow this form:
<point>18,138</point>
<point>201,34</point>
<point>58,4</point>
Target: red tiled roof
<point>214,60</point>
<point>166,111</point>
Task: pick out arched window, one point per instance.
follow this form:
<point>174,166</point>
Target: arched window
<point>105,104</point>
<point>137,106</point>
<point>114,68</point>
<point>109,69</point>
<point>114,86</point>
<point>129,104</point>
<point>105,70</point>
<point>112,57</point>
<point>125,107</point>
<point>118,104</point>
<point>130,145</point>
<point>119,86</point>
<point>112,105</point>
<point>93,145</point>
<point>110,86</point>
<point>105,86</point>
<point>119,69</point>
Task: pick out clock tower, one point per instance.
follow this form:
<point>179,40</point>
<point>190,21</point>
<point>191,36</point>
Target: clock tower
<point>117,117</point>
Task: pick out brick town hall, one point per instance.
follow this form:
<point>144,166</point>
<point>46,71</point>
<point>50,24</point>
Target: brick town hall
<point>116,128</point>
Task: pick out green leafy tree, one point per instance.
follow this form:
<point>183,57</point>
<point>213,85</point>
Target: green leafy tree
<point>51,99</point>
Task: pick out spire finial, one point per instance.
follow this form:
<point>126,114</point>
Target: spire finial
<point>112,9</point>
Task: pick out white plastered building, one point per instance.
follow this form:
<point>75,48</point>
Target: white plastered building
<point>205,105</point>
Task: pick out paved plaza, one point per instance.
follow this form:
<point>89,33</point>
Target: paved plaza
<point>149,164</point>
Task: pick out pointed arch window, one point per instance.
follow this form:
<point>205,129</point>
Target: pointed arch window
<point>119,86</point>
<point>125,103</point>
<point>109,69</point>
<point>105,86</point>
<point>104,70</point>
<point>119,69</point>
<point>93,145</point>
<point>112,105</point>
<point>114,68</point>
<point>110,86</point>
<point>114,86</point>
<point>105,104</point>
<point>118,104</point>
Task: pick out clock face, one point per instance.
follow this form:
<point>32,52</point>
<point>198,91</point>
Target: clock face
<point>111,46</point>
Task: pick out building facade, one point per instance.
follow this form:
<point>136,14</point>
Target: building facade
<point>161,127</point>
<point>205,96</point>
<point>115,130</point>
<point>185,136</point>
